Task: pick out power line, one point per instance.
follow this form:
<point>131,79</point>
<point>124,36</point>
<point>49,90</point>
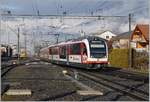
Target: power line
<point>33,8</point>
<point>65,17</point>
<point>129,10</point>
<point>36,7</point>
<point>76,7</point>
<point>57,8</point>
<point>101,6</point>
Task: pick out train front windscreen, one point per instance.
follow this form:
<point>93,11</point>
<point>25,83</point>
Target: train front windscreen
<point>97,49</point>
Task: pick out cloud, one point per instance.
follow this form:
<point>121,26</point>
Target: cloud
<point>41,27</point>
<point>125,27</point>
<point>142,21</point>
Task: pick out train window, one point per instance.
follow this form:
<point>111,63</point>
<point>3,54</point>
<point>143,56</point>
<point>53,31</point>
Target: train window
<point>98,50</point>
<point>62,52</point>
<point>83,49</point>
<point>54,51</point>
<point>75,49</point>
<point>50,51</point>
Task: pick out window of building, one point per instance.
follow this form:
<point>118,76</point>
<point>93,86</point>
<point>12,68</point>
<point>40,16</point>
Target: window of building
<point>107,37</point>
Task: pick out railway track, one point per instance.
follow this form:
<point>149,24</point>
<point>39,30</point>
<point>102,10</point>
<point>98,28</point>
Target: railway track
<point>127,90</point>
<point>124,74</point>
<point>6,68</point>
<point>123,89</point>
<point>93,78</point>
<point>134,88</point>
<point>109,82</point>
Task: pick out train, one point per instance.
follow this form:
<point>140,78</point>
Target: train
<point>6,51</point>
<point>23,53</point>
<point>89,52</point>
<point>10,52</point>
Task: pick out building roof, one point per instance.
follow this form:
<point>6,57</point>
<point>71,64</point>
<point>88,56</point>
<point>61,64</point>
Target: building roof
<point>100,33</point>
<point>124,35</point>
<point>144,28</point>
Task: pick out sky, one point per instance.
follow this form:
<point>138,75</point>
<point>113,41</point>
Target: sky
<point>41,27</point>
<point>109,7</point>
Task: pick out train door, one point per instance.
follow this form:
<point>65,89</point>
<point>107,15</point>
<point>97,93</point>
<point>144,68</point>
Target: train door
<point>67,53</point>
<point>62,53</point>
<point>83,53</point>
<point>50,54</point>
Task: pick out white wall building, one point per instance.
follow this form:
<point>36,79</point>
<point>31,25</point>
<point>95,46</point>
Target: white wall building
<point>105,35</point>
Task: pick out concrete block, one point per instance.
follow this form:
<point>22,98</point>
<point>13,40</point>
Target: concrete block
<point>18,92</point>
<point>89,92</point>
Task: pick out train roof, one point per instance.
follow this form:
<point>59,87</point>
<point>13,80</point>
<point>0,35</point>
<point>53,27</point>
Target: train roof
<point>80,39</point>
<point>92,38</point>
<point>44,48</point>
<point>4,45</point>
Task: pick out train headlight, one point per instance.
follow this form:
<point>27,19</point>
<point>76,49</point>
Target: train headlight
<point>14,62</point>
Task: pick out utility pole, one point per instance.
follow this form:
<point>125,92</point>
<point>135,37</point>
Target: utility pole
<point>57,37</point>
<point>0,37</point>
<point>25,42</point>
<point>7,37</point>
<point>18,44</point>
<point>130,49</point>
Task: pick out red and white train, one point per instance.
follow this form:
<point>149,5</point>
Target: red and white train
<point>88,52</point>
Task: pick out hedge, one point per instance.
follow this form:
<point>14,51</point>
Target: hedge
<point>119,58</point>
<point>140,60</point>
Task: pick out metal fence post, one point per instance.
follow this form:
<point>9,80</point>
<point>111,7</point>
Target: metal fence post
<point>18,44</point>
<point>130,49</point>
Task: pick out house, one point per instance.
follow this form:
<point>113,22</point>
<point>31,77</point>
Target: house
<point>105,35</point>
<point>121,40</point>
<point>140,37</point>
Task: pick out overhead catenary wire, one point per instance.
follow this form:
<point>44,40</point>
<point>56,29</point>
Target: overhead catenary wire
<point>37,8</point>
<point>66,17</point>
<point>75,6</point>
<point>99,7</point>
<point>132,10</point>
<point>33,8</point>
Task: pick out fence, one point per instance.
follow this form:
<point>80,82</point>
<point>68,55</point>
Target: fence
<point>119,58</point>
<point>140,60</point>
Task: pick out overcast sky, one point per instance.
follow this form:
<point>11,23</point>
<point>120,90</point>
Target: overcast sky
<point>119,7</point>
<point>138,8</point>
